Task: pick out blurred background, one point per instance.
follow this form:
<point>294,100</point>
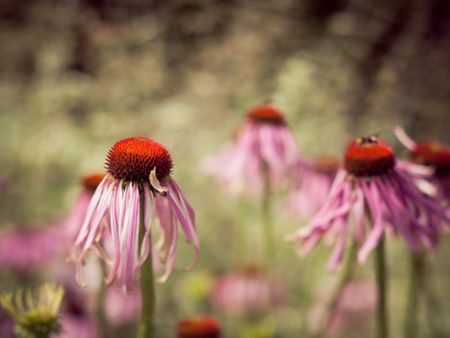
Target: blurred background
<point>76,76</point>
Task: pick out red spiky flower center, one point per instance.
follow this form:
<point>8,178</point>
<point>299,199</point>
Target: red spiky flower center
<point>91,182</point>
<point>433,154</point>
<point>326,164</point>
<point>132,159</point>
<point>266,114</point>
<point>198,327</point>
<point>369,156</point>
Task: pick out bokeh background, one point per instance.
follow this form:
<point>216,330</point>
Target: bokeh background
<point>76,76</point>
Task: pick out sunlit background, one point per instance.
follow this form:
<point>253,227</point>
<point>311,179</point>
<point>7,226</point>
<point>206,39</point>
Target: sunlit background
<point>77,76</point>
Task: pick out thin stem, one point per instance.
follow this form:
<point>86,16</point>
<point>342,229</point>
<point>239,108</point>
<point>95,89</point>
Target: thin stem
<point>415,289</point>
<point>381,273</point>
<point>346,274</point>
<point>100,306</point>
<point>267,218</point>
<point>147,326</point>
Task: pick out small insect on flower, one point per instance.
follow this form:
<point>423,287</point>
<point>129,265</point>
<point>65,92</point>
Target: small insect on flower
<point>138,175</point>
<point>264,142</point>
<point>198,327</point>
<point>312,185</point>
<point>35,314</point>
<point>378,193</point>
<point>433,154</point>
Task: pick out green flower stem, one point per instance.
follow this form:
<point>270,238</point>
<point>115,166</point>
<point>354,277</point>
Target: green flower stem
<point>417,270</point>
<point>147,325</point>
<point>381,274</point>
<point>346,274</point>
<point>267,219</point>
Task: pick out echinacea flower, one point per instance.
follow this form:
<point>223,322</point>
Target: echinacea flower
<point>138,173</point>
<point>35,314</point>
<point>76,218</point>
<point>313,185</point>
<point>354,306</point>
<point>264,142</point>
<point>379,194</point>
<point>77,321</point>
<point>248,290</point>
<point>198,327</point>
<point>25,249</point>
<point>432,154</point>
<point>122,308</point>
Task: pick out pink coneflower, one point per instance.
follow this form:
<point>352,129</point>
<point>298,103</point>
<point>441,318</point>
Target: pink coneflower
<point>138,173</point>
<point>25,249</point>
<point>122,308</point>
<point>313,185</point>
<point>379,195</point>
<point>432,154</point>
<point>76,319</point>
<point>248,290</point>
<point>198,327</point>
<point>76,217</point>
<point>264,142</point>
<point>354,306</point>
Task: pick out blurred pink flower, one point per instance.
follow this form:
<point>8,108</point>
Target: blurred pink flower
<point>264,140</point>
<point>198,327</point>
<point>355,304</point>
<point>247,290</point>
<point>3,184</point>
<point>77,319</point>
<point>135,166</point>
<point>25,249</point>
<point>6,325</point>
<point>376,193</point>
<point>76,327</point>
<point>313,185</point>
<point>433,154</point>
<point>122,308</point>
<point>74,221</point>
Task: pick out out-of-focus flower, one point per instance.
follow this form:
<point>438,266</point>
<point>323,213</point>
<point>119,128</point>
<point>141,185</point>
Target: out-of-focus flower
<point>74,327</point>
<point>264,142</point>
<point>138,174</point>
<point>122,308</point>
<point>35,315</point>
<point>6,325</point>
<point>314,184</point>
<point>3,184</point>
<point>25,249</point>
<point>433,154</point>
<point>378,195</point>
<point>355,304</point>
<point>198,327</point>
<point>247,290</point>
<point>77,320</point>
<point>74,221</point>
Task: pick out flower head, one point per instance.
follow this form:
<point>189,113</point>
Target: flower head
<point>35,315</point>
<point>263,143</point>
<point>313,185</point>
<point>377,193</point>
<point>198,327</point>
<point>247,290</point>
<point>138,185</point>
<point>433,154</point>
